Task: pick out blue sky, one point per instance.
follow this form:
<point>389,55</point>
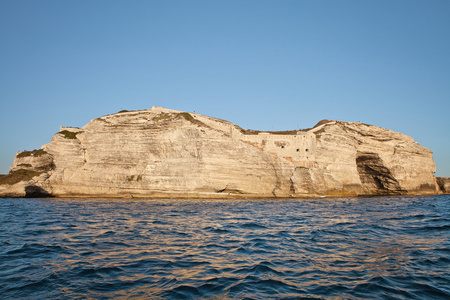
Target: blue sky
<point>266,65</point>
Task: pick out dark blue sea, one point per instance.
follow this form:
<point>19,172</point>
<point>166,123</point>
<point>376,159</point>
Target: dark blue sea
<point>317,248</point>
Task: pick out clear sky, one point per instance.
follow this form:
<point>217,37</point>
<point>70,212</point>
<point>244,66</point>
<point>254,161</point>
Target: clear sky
<point>266,65</point>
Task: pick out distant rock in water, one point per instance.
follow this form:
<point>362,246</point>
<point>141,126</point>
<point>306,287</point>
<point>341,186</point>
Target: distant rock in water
<point>444,184</point>
<point>167,153</point>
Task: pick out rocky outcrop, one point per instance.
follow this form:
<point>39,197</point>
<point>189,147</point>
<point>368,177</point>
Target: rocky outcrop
<point>374,160</point>
<point>28,174</point>
<point>444,184</point>
<point>168,153</point>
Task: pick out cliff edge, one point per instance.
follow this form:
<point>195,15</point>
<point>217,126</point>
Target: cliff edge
<point>167,153</point>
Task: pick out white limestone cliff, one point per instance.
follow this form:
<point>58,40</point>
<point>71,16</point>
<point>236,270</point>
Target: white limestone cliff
<point>167,153</point>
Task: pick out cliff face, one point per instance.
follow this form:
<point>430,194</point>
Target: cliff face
<point>164,153</point>
<point>373,160</point>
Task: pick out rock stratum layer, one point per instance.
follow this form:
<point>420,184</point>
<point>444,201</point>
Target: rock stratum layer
<point>167,153</point>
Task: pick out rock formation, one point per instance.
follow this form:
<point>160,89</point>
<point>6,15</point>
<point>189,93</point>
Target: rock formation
<point>167,153</point>
<point>444,184</point>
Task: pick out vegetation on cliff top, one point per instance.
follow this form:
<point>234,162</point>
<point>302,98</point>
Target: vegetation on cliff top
<point>69,134</point>
<point>35,153</point>
<point>256,132</point>
<point>282,132</point>
<point>18,176</point>
<point>188,117</point>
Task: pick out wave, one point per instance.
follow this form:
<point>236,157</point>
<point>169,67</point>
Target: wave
<point>220,249</point>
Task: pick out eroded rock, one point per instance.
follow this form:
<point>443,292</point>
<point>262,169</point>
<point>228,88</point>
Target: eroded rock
<point>168,153</point>
<point>444,184</point>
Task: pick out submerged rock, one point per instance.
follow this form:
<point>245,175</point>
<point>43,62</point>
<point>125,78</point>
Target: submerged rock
<point>168,153</point>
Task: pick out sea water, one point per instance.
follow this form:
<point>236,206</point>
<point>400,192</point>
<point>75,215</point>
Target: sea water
<point>317,248</point>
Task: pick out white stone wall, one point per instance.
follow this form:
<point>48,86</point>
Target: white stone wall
<point>159,109</point>
<point>299,148</point>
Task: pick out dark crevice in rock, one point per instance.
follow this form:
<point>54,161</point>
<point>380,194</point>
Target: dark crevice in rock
<point>375,177</point>
<point>33,191</point>
<point>227,190</point>
<point>222,190</point>
<point>292,187</point>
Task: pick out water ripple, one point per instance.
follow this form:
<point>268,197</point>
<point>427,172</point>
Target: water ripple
<point>342,248</point>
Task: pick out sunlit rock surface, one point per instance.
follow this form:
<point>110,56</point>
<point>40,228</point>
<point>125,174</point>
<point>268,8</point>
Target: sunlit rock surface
<point>167,153</point>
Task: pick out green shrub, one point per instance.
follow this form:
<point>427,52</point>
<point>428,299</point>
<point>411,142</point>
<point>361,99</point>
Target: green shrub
<point>134,177</point>
<point>35,153</point>
<point>249,131</point>
<point>69,134</point>
<point>256,132</point>
<point>162,116</point>
<point>18,176</point>
<point>318,133</point>
<point>187,116</point>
